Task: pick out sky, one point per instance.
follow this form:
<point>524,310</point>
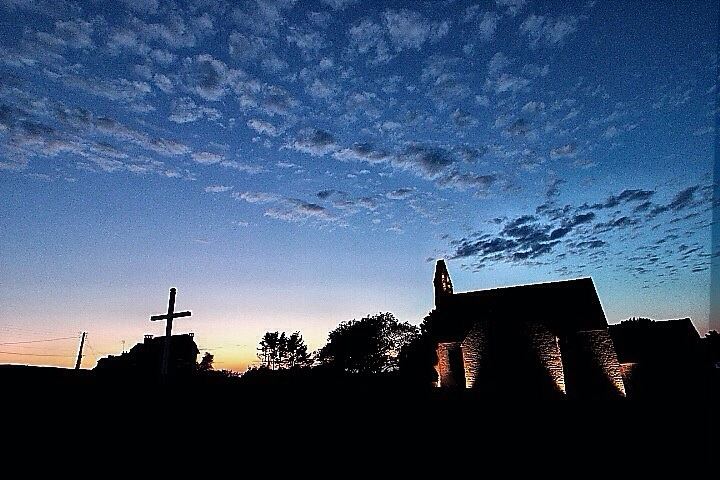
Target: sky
<point>290,165</point>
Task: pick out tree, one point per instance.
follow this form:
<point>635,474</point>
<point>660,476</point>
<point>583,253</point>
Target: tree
<point>269,349</point>
<point>279,350</point>
<point>206,364</point>
<point>370,345</point>
<point>297,354</point>
<point>418,358</point>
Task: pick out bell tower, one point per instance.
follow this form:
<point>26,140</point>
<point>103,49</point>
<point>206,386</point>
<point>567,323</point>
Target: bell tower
<point>443,285</point>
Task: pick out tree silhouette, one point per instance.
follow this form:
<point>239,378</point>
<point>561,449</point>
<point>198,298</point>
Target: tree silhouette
<point>368,346</point>
<point>297,354</point>
<point>269,349</point>
<point>418,358</point>
<point>206,364</point>
<point>279,350</point>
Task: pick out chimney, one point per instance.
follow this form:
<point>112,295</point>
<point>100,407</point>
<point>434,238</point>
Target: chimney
<point>442,283</point>
<point>148,338</point>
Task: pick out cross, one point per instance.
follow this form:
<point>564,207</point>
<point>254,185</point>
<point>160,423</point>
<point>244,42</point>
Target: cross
<point>168,328</point>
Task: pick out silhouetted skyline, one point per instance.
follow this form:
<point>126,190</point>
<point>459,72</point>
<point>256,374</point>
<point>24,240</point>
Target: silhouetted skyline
<point>291,165</point>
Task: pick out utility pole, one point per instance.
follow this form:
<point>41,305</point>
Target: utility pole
<point>82,344</point>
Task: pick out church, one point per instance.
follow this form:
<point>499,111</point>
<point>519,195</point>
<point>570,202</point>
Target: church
<point>545,340</point>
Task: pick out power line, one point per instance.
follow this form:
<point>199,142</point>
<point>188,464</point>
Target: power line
<point>38,341</point>
<point>36,354</point>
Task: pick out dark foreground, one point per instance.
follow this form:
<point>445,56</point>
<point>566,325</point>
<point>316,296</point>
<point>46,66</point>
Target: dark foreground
<point>350,419</point>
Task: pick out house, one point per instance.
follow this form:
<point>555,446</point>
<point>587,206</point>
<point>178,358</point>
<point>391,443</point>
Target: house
<point>145,359</point>
<point>661,358</point>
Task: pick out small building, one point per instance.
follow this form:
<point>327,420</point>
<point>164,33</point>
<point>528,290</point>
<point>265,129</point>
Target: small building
<point>145,359</point>
<point>661,358</point>
<point>545,340</point>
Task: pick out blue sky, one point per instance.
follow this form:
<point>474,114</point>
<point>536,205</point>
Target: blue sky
<point>289,165</point>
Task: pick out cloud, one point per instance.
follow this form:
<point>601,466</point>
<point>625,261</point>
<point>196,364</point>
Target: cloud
<point>591,244</point>
<point>507,82</point>
<point>325,194</point>
<point>621,222</point>
<point>75,34</point>
<point>400,193</point>
<point>362,152</point>
<point>487,26</point>
<point>553,189</point>
<point>207,158</point>
<point>174,32</point>
<point>354,204</point>
<point>248,47</point>
<point>512,7</point>
<point>367,37</point>
<point>445,80</point>
<point>555,234</point>
<point>533,107</point>
<point>464,181</point>
<point>409,30</point>
<point>163,83</point>
<point>142,6</point>
<point>166,146</point>
<point>322,89</point>
<point>241,167</point>
<point>130,92</point>
<point>682,200</point>
<point>309,42</point>
<point>185,110</point>
<point>498,63</point>
<point>581,219</point>
<point>469,154</point>
<point>217,188</point>
<point>263,127</point>
<point>314,141</point>
<point>643,207</point>
<point>287,209</point>
<point>462,119</point>
<point>425,161</point>
<point>568,150</point>
<point>208,77</point>
<point>339,4</point>
<point>251,49</point>
<point>547,31</point>
<point>300,211</point>
<point>257,197</point>
<point>262,16</point>
<point>630,195</point>
<point>518,241</point>
<point>518,127</point>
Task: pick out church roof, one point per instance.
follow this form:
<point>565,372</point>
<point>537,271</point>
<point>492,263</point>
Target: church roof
<point>564,306</point>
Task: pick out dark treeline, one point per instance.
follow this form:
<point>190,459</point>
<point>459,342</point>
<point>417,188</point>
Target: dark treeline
<point>377,349</point>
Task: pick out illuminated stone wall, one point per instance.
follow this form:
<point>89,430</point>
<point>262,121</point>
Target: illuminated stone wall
<point>598,345</point>
<point>547,349</point>
<point>446,376</point>
<point>474,348</point>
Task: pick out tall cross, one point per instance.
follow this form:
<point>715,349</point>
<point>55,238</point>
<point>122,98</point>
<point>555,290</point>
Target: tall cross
<point>168,328</point>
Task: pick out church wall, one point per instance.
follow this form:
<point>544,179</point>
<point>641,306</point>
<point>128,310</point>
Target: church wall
<point>546,347</point>
<point>447,378</point>
<point>474,349</point>
<point>593,351</point>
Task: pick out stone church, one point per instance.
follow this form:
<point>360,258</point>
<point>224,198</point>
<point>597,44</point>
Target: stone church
<point>545,340</point>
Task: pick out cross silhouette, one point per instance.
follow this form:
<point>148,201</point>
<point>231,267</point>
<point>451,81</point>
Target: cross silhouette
<point>169,316</point>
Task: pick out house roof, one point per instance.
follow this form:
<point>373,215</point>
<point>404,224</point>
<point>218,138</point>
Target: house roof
<point>563,306</point>
<point>642,339</point>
